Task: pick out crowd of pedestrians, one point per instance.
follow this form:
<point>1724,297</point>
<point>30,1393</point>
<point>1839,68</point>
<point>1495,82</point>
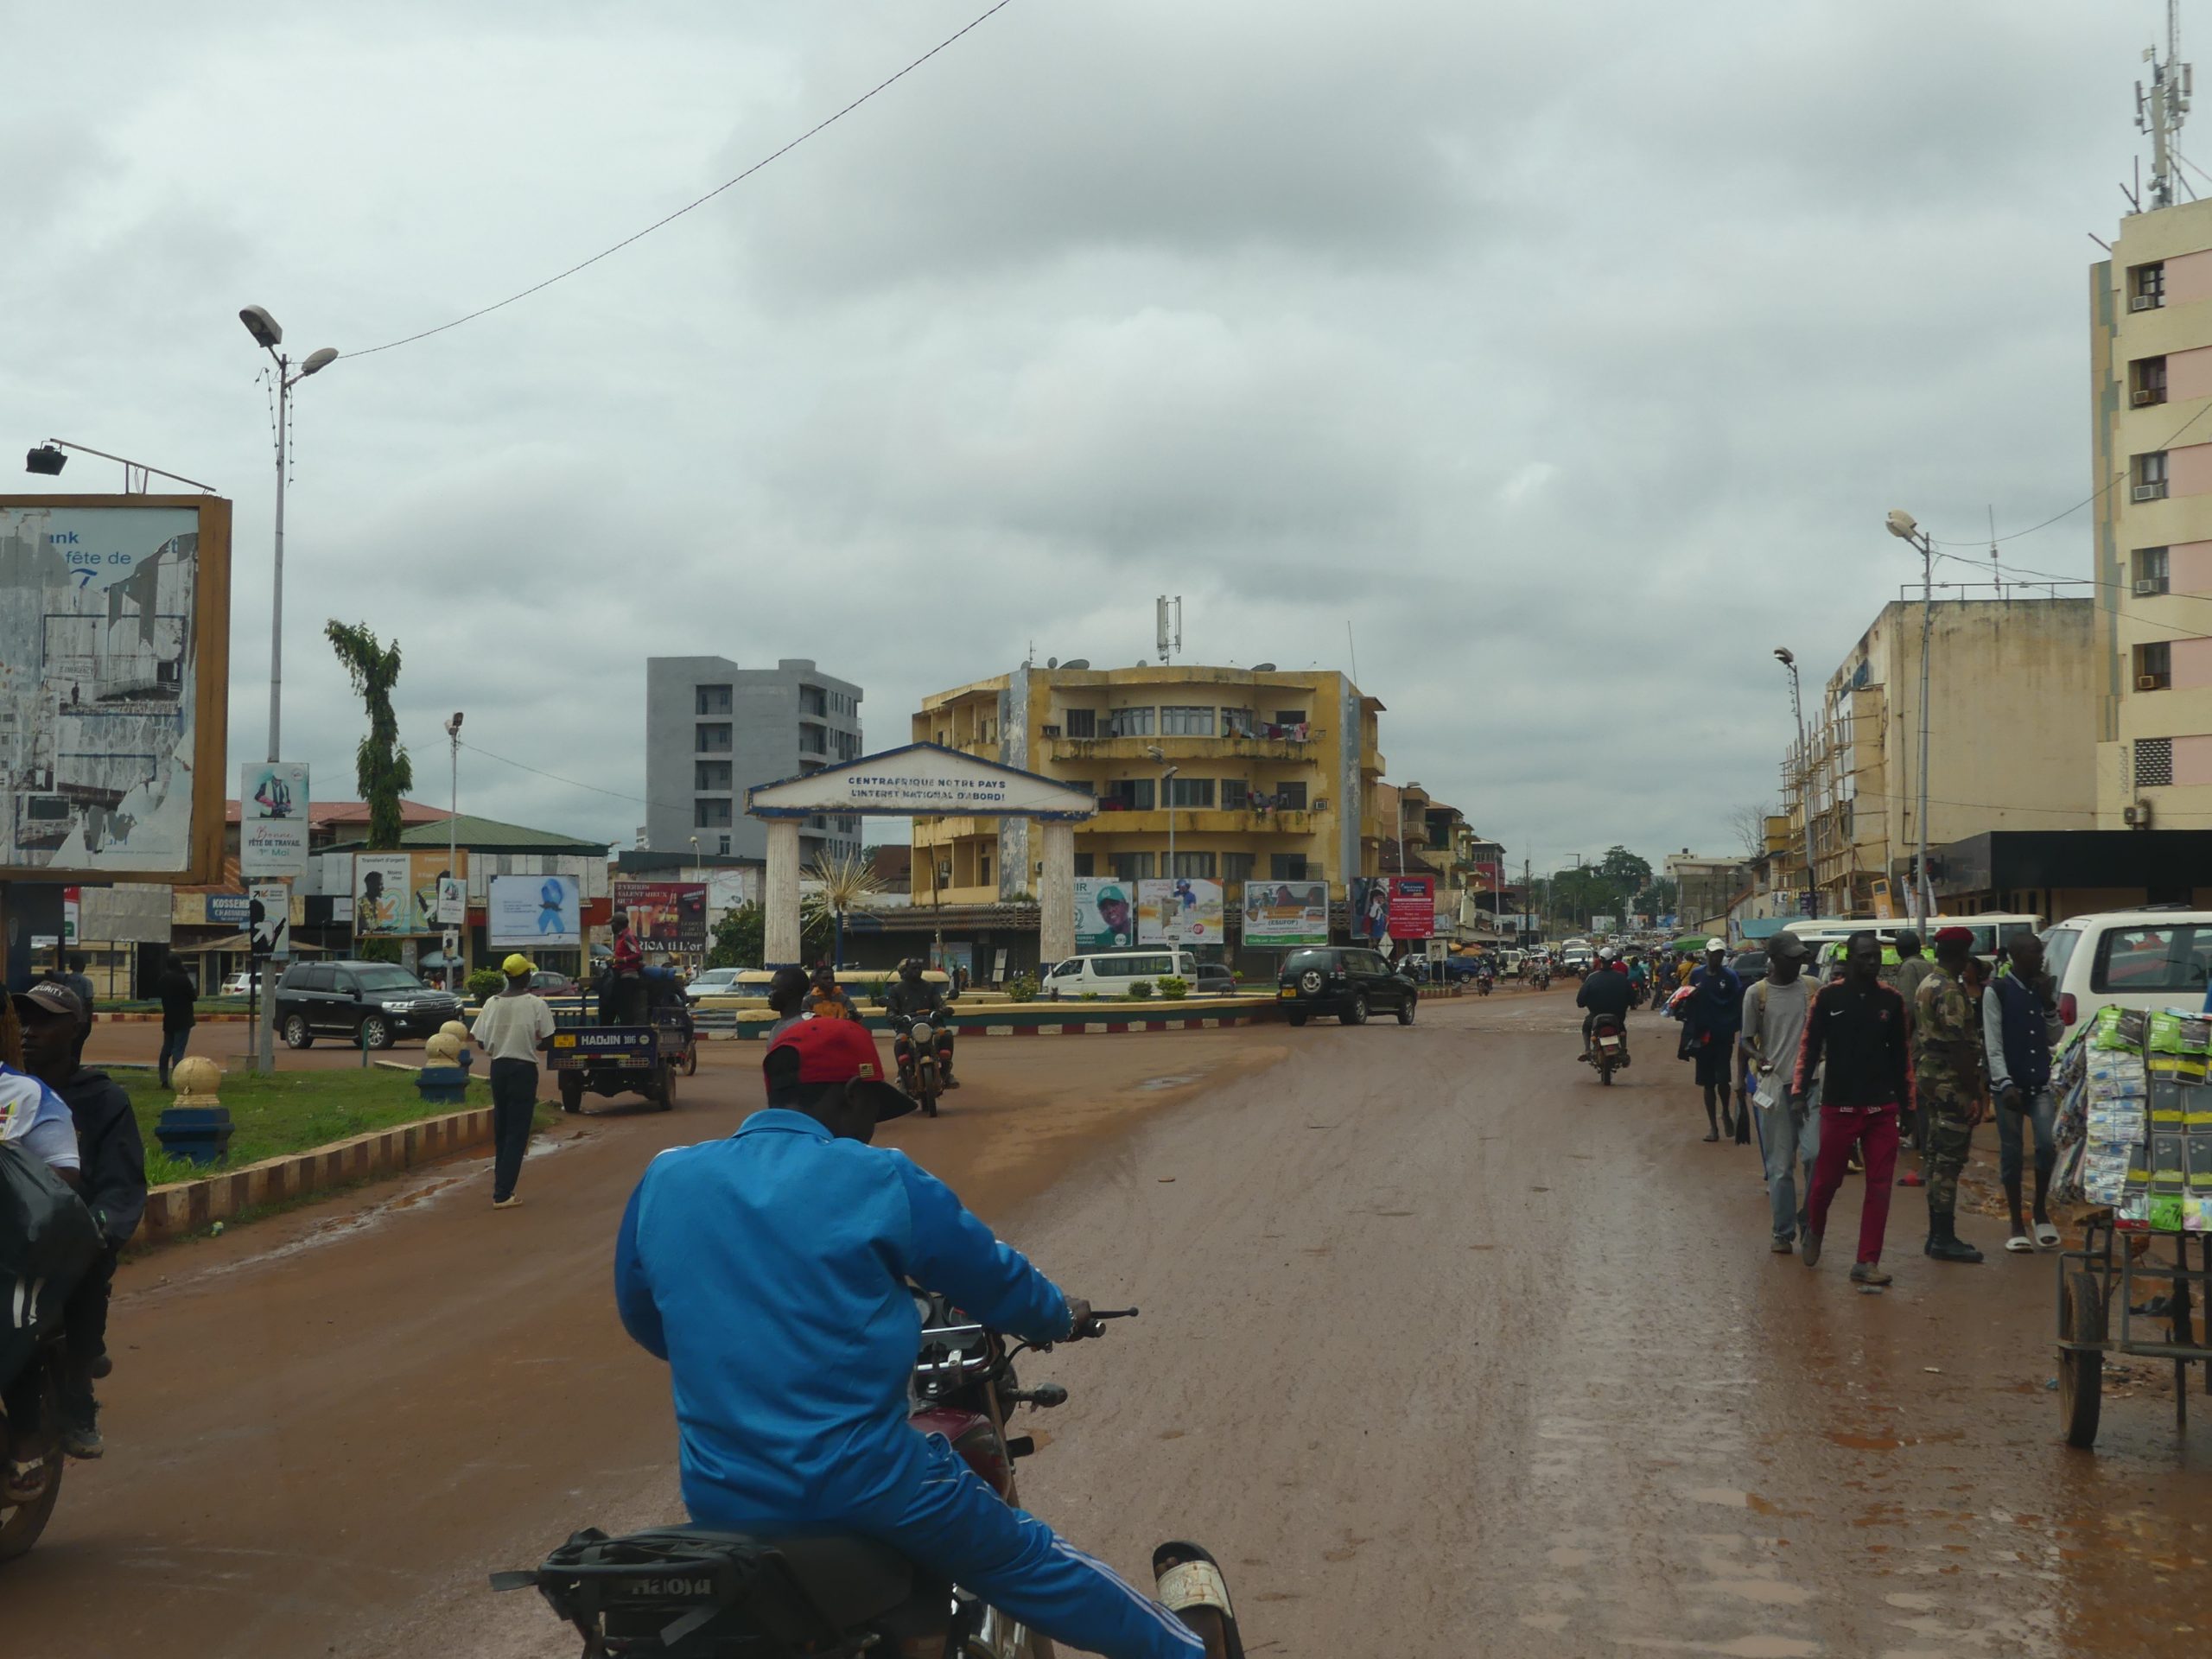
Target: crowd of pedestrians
<point>1836,1079</point>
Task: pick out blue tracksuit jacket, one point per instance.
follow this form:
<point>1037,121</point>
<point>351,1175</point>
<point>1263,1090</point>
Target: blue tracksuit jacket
<point>769,1270</point>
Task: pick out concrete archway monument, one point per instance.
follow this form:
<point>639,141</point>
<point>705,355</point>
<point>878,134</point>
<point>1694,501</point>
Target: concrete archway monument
<point>921,780</point>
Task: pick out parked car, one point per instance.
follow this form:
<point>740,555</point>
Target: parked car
<point>546,982</point>
<point>1214,979</point>
<point>716,982</point>
<point>1748,965</point>
<point>372,1004</point>
<point>238,985</point>
<point>1111,974</point>
<point>1347,981</point>
<point>2148,958</point>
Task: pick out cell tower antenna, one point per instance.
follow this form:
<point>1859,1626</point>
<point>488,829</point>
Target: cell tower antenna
<point>2160,109</point>
<point>1169,615</point>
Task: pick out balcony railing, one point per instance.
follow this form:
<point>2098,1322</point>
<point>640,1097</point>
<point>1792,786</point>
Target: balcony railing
<point>1181,748</point>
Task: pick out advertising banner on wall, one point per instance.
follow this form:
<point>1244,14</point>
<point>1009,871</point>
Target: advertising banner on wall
<point>396,894</point>
<point>665,915</point>
<point>114,635</point>
<point>1181,910</point>
<point>1105,913</point>
<point>1281,914</point>
<point>522,911</point>
<point>272,818</point>
<point>728,890</point>
<point>1413,905</point>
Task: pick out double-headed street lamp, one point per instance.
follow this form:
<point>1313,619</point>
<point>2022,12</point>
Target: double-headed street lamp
<point>1901,526</point>
<point>269,336</point>
<point>1783,655</point>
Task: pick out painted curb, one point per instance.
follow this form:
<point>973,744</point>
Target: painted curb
<point>183,1206</point>
<point>155,1019</point>
<point>1047,1021</point>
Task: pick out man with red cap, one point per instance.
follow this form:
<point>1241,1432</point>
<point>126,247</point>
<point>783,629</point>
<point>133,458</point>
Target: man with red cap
<point>771,1270</point>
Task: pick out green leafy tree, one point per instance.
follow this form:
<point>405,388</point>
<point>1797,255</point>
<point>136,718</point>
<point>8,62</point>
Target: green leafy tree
<point>1624,870</point>
<point>740,937</point>
<point>382,770</point>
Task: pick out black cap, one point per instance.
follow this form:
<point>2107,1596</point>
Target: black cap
<point>46,997</point>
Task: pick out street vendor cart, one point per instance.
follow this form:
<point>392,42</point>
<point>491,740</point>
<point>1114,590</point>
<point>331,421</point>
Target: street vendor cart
<point>2135,1119</point>
<point>2111,1279</point>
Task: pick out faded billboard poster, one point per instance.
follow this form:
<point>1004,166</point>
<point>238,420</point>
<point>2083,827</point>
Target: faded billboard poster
<point>1285,913</point>
<point>670,915</point>
<point>99,715</point>
<point>1105,913</point>
<point>1183,910</point>
<point>396,894</point>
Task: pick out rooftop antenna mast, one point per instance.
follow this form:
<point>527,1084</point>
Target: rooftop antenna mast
<point>2159,110</point>
<point>1169,615</point>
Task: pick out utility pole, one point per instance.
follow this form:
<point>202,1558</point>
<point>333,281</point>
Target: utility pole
<point>1901,526</point>
<point>452,940</point>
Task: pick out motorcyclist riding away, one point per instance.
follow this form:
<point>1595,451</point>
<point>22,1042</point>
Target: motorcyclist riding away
<point>770,1269</point>
<point>1605,991</point>
<point>912,997</point>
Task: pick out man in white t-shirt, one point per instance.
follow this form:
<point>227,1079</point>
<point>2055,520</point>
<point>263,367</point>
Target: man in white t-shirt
<point>513,1028</point>
<point>1789,1127</point>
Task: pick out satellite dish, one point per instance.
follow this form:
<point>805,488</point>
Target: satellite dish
<point>1051,662</point>
<point>1263,667</point>
<point>1076,662</point>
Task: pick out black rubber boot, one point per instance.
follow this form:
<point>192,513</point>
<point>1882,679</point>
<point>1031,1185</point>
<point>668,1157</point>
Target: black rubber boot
<point>1944,1242</point>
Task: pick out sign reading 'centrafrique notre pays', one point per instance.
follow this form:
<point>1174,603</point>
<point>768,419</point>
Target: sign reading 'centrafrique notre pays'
<point>922,779</point>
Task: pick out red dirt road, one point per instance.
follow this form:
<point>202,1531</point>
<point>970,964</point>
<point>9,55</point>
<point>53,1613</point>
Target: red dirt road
<point>1445,1351</point>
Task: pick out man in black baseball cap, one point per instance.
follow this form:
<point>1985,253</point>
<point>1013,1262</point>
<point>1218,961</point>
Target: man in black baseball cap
<point>56,1024</point>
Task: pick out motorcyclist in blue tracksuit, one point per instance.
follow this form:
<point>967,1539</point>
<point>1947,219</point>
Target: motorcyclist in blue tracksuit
<point>769,1270</point>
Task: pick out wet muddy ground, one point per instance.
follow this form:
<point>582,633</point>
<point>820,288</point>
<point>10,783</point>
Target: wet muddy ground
<point>1444,1350</point>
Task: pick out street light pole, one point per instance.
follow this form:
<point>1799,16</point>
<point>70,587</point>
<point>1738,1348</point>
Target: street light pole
<point>1172,914</point>
<point>269,336</point>
<point>1788,659</point>
<point>1901,526</point>
<point>453,855</point>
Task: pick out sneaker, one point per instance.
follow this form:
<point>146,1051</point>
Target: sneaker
<point>1811,1252</point>
<point>102,1368</point>
<point>508,1203</point>
<point>83,1441</point>
<point>1783,1245</point>
<point>1912,1178</point>
<point>25,1483</point>
<point>1868,1272</point>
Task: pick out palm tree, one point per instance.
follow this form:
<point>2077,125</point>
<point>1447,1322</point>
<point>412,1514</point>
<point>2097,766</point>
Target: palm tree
<point>844,882</point>
<point>381,769</point>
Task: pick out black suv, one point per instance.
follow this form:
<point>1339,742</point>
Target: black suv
<point>1348,981</point>
<point>370,1004</point>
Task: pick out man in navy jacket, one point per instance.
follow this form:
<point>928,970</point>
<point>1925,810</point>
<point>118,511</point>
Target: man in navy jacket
<point>770,1270</point>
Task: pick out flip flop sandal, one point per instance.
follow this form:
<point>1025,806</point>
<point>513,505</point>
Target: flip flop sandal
<point>2046,1236</point>
<point>2020,1244</point>
<point>1190,1580</point>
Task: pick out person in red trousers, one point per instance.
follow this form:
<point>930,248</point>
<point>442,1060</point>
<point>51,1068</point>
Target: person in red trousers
<point>1856,1029</point>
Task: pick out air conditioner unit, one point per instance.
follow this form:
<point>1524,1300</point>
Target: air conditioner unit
<point>2149,682</point>
<point>2143,302</point>
<point>2150,491</point>
<point>2148,585</point>
<point>1052,731</point>
<point>2138,816</point>
<point>2142,396</point>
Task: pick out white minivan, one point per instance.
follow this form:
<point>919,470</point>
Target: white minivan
<point>1109,973</point>
<point>2137,959</point>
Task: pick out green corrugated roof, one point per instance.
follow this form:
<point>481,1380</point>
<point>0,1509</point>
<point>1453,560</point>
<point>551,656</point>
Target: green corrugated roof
<point>487,835</point>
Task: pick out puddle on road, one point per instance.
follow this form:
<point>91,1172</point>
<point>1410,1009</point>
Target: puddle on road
<point>1172,1082</point>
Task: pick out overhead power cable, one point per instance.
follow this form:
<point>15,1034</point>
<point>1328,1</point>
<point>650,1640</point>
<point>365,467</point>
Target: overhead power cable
<point>2093,495</point>
<point>669,219</point>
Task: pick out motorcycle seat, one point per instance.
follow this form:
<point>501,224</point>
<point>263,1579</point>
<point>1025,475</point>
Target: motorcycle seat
<point>850,1578</point>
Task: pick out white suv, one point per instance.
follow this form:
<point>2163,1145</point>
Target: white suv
<point>2151,958</point>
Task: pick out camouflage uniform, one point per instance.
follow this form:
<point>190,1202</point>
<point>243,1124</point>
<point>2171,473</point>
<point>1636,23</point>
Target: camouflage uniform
<point>1947,1065</point>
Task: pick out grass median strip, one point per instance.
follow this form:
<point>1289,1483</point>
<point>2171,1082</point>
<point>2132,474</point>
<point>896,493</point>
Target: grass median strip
<point>294,1111</point>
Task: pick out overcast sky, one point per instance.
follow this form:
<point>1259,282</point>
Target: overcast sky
<point>1570,355</point>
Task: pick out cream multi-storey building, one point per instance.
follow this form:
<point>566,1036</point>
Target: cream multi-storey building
<point>1275,775</point>
<point>2150,421</point>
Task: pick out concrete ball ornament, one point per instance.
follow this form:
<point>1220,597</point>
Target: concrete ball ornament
<point>455,1030</point>
<point>442,1050</point>
<point>197,1079</point>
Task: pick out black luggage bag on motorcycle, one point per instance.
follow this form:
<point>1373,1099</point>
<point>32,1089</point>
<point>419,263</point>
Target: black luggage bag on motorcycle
<point>47,1238</point>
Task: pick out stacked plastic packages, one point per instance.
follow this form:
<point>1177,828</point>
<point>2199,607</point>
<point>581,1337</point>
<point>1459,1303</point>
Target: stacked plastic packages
<point>2116,1103</point>
<point>2170,1175</point>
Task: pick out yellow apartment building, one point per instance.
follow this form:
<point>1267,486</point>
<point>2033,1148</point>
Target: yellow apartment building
<point>2151,423</point>
<point>2012,709</point>
<point>1275,775</point>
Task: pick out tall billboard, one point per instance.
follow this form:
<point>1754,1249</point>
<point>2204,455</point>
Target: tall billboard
<point>1183,910</point>
<point>665,915</point>
<point>396,894</point>
<point>1281,914</point>
<point>1413,905</point>
<point>1105,913</point>
<point>114,669</point>
<point>528,910</point>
